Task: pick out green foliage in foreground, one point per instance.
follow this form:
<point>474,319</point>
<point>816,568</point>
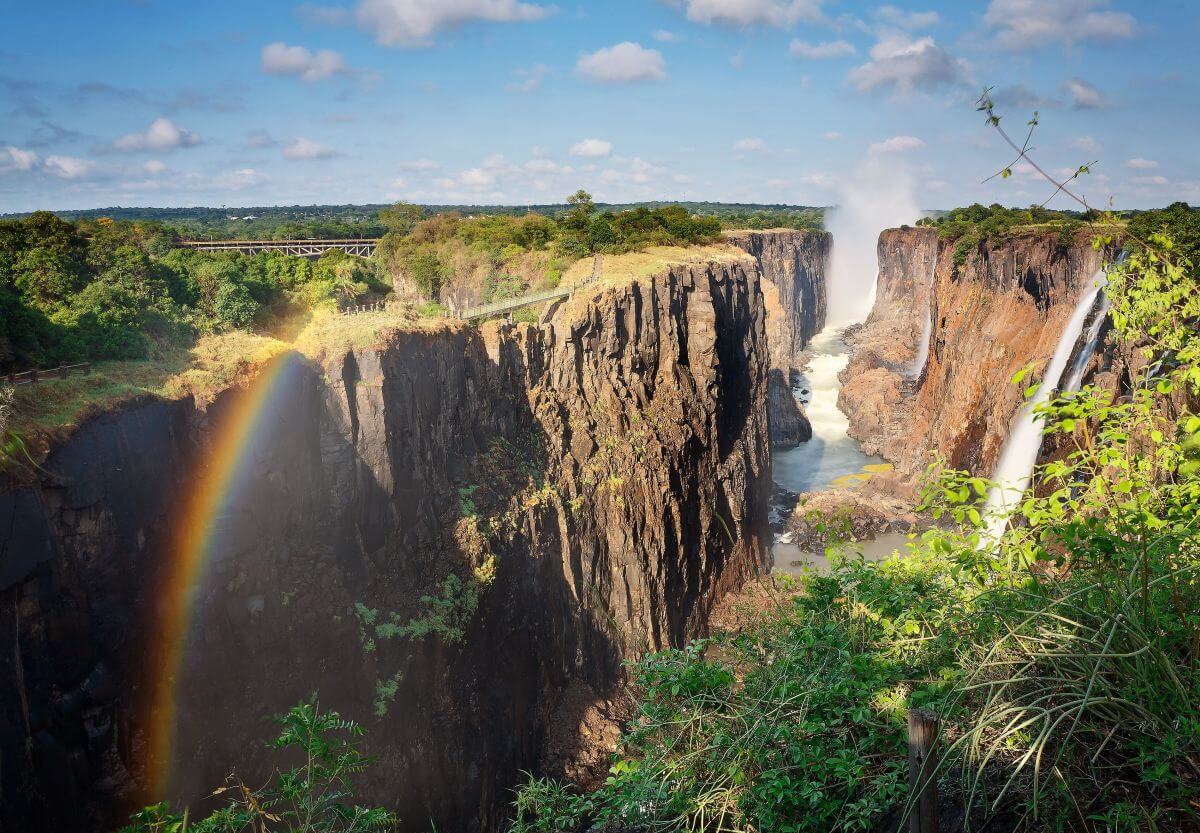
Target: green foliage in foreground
<point>314,797</point>
<point>1064,658</point>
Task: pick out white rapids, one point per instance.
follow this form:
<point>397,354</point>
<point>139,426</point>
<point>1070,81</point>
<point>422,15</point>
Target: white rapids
<point>922,356</point>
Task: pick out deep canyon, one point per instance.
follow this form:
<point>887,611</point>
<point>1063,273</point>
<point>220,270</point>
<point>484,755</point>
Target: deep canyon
<point>614,461</point>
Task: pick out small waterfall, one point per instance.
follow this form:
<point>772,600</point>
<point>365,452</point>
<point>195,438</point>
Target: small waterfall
<point>922,357</point>
<point>1017,460</point>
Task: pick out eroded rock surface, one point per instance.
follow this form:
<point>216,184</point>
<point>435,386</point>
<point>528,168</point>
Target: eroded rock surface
<point>631,431</point>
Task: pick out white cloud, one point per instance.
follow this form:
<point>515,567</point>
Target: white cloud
<point>591,148</point>
<point>163,134</point>
<point>17,159</point>
<point>241,178</point>
<point>666,36</point>
<point>753,12</point>
<point>420,166</point>
<point>302,148</point>
<point>831,136</point>
<point>1150,180</point>
<point>819,180</point>
<point>905,64</point>
<point>1083,95</point>
<point>280,59</point>
<point>154,166</point>
<point>68,167</point>
<point>1030,24</point>
<point>896,144</point>
<point>1085,143</point>
<point>821,51</point>
<point>621,64</point>
<point>413,22</point>
<point>751,145</point>
<point>315,15</point>
<point>906,20</point>
<point>531,78</point>
<point>1140,164</point>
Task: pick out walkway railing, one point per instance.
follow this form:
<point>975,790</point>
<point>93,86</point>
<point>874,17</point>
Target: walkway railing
<point>500,307</point>
<point>30,377</point>
<point>378,306</point>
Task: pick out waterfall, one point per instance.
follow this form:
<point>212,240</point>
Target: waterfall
<point>918,365</point>
<point>1015,469</point>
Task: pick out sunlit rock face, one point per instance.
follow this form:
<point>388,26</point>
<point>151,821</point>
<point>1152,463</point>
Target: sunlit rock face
<point>794,265</point>
<point>993,313</point>
<point>641,411</point>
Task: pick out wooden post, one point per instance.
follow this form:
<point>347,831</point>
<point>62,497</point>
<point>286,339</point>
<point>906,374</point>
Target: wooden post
<point>922,771</point>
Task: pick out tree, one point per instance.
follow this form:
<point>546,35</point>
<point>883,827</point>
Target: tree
<point>401,217</point>
<point>424,269</point>
<point>580,213</point>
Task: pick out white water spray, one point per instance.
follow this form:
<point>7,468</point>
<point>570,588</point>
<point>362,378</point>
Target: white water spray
<point>878,196</point>
<point>1015,469</point>
<point>922,356</point>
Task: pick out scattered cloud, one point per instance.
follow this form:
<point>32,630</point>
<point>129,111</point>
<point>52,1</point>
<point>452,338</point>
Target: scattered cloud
<point>412,23</point>
<point>902,19</point>
<point>18,159</point>
<point>903,64</point>
<point>1150,180</point>
<point>591,148</point>
<point>1140,164</point>
<point>241,179</point>
<point>68,167</point>
<point>420,166</point>
<point>751,12</point>
<point>667,36</point>
<point>154,167</point>
<point>831,136</point>
<point>529,78</point>
<point>302,148</point>
<point>1086,144</point>
<point>821,51</point>
<point>280,59</point>
<point>896,144</point>
<point>260,139</point>
<point>316,15</point>
<point>1033,24</point>
<point>1020,97</point>
<point>819,180</point>
<point>622,64</point>
<point>1083,95</point>
<point>163,134</point>
<point>750,145</point>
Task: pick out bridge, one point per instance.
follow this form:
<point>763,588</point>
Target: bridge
<point>508,305</point>
<point>362,246</point>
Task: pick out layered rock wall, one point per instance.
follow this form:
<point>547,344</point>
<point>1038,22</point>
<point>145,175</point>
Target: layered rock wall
<point>997,309</point>
<point>794,265</point>
<point>612,461</point>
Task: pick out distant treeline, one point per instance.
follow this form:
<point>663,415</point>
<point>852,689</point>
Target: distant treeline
<point>338,221</point>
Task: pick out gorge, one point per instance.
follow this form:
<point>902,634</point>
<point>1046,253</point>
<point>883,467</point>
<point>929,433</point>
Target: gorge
<point>595,484</point>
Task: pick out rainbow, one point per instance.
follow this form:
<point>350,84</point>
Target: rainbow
<point>240,422</point>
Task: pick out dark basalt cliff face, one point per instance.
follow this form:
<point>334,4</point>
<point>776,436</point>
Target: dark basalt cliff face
<point>794,265</point>
<point>638,414</point>
<point>1001,309</point>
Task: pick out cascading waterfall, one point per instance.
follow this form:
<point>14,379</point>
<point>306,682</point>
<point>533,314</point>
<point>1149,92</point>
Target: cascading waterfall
<point>1015,469</point>
<point>922,357</point>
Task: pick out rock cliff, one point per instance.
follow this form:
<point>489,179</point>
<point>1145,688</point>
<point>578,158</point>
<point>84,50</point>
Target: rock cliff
<point>610,466</point>
<point>993,312</point>
<point>794,265</point>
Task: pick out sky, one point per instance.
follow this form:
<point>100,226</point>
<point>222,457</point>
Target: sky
<point>264,102</point>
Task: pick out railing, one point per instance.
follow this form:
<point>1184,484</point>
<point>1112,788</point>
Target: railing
<point>378,306</point>
<point>498,307</point>
<point>34,376</point>
<point>308,247</point>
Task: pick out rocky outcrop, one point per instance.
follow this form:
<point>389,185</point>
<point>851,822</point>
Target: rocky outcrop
<point>794,264</point>
<point>995,309</point>
<point>613,463</point>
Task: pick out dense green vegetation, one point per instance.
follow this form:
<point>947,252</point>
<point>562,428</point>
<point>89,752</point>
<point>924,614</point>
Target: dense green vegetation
<point>104,289</point>
<point>1063,658</point>
<point>332,221</point>
<point>494,257</point>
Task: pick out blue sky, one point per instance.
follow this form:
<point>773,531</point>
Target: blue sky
<point>170,103</point>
